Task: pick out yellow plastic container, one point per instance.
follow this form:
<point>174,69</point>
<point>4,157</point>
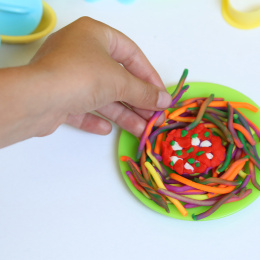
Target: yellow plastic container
<point>46,25</point>
<point>241,20</point>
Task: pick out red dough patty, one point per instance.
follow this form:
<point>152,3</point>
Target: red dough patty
<point>192,151</point>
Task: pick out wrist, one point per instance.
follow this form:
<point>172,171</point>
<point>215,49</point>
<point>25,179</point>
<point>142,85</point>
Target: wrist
<point>27,104</point>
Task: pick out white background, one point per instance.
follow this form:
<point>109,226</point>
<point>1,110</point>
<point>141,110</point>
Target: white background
<point>63,196</point>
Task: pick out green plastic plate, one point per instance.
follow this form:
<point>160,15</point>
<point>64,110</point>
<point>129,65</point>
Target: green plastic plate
<point>128,146</point>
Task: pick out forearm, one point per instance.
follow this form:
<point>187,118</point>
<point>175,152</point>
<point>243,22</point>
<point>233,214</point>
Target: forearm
<point>26,105</point>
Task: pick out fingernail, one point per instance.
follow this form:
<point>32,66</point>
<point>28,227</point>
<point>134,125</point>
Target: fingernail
<point>164,100</point>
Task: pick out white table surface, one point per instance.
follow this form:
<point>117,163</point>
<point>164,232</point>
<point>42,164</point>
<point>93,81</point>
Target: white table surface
<point>63,196</point>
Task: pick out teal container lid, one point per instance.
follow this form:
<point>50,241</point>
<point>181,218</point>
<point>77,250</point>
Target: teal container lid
<point>19,17</point>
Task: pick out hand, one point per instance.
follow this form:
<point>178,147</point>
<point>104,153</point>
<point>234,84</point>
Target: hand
<point>85,60</point>
<point>84,67</point>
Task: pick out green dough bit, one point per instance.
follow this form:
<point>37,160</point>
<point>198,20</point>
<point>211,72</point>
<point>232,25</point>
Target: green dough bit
<point>206,134</point>
<point>172,142</point>
<point>171,163</point>
<point>190,150</point>
<point>194,135</point>
<point>191,160</point>
<point>197,164</point>
<point>200,153</point>
<point>184,133</point>
<point>179,152</point>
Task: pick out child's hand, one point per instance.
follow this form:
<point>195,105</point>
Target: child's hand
<point>81,63</point>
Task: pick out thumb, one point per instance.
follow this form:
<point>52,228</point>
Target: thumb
<point>142,94</point>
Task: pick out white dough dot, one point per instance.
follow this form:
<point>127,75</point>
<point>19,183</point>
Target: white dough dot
<point>188,166</point>
<point>174,159</point>
<point>205,144</point>
<point>209,155</point>
<point>176,147</point>
<point>195,141</point>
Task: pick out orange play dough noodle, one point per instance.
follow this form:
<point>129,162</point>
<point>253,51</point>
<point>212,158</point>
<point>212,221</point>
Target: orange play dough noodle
<point>201,186</point>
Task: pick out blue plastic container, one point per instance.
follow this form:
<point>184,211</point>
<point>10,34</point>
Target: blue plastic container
<point>126,1</point>
<point>19,17</point>
<point>121,1</point>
